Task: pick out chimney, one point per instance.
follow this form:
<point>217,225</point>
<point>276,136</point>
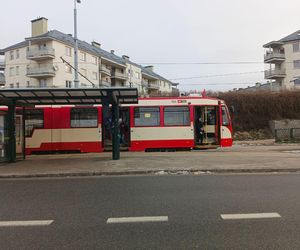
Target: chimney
<point>96,44</point>
<point>39,26</point>
<point>150,67</point>
<point>126,57</point>
<point>112,51</point>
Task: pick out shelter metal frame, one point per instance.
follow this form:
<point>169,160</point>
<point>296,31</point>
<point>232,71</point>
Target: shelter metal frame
<point>30,97</point>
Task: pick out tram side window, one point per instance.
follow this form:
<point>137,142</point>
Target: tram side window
<point>225,117</point>
<point>84,118</point>
<point>33,119</point>
<point>177,116</point>
<point>147,117</point>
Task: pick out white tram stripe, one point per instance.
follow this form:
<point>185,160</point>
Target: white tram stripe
<point>137,219</point>
<point>250,216</point>
<point>27,223</point>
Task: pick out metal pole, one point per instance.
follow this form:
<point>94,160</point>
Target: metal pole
<point>11,116</point>
<point>76,80</point>
<point>115,131</point>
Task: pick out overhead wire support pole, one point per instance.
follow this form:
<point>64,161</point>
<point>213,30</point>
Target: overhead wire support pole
<point>76,80</point>
<point>115,129</point>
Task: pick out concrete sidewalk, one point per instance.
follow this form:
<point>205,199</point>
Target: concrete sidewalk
<point>264,156</point>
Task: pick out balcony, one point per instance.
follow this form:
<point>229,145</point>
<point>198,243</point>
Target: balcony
<point>153,86</point>
<point>105,71</point>
<point>120,75</point>
<point>144,83</point>
<point>47,70</point>
<point>2,66</point>
<point>274,57</point>
<point>105,84</point>
<point>41,54</point>
<point>275,73</point>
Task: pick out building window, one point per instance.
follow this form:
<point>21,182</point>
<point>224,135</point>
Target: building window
<point>137,75</point>
<point>94,60</point>
<point>84,118</point>
<point>11,85</point>
<point>17,54</point>
<point>11,55</point>
<point>68,84</point>
<point>42,46</point>
<point>95,76</point>
<point>68,69</point>
<point>68,51</point>
<point>297,64</point>
<point>43,83</point>
<point>17,70</point>
<point>296,47</point>
<point>147,117</point>
<point>28,84</point>
<point>177,116</point>
<point>297,82</point>
<point>11,71</point>
<point>83,72</point>
<point>34,119</point>
<point>82,56</point>
<point>17,85</point>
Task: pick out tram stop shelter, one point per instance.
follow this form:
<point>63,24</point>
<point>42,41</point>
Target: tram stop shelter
<point>13,98</point>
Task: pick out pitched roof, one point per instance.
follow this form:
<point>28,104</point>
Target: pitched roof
<point>292,37</point>
<point>68,39</point>
<point>147,71</point>
<point>16,46</point>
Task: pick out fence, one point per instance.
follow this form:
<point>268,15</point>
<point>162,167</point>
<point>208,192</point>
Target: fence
<point>287,135</point>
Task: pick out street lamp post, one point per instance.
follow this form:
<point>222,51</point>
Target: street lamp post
<point>76,80</point>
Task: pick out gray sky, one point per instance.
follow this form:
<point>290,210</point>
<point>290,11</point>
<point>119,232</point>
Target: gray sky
<point>169,31</point>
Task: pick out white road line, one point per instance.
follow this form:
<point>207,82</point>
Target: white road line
<point>137,219</point>
<point>250,216</point>
<point>26,223</point>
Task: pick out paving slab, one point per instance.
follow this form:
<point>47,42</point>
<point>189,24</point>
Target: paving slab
<point>253,156</point>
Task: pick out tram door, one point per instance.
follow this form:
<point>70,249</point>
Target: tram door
<point>124,128</point>
<point>19,135</point>
<point>206,125</point>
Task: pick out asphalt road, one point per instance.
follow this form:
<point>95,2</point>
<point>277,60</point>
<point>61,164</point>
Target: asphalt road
<point>78,209</point>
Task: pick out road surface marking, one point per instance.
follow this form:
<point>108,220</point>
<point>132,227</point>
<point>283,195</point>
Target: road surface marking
<point>250,216</point>
<point>26,223</point>
<point>137,219</point>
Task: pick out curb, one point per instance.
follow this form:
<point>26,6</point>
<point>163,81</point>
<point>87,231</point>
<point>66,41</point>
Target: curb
<point>151,172</point>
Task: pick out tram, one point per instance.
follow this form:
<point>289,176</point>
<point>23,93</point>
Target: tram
<point>152,124</point>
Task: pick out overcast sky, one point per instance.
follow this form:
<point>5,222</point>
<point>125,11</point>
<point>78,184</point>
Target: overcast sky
<point>169,31</point>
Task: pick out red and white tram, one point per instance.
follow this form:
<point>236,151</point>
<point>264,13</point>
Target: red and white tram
<point>153,123</point>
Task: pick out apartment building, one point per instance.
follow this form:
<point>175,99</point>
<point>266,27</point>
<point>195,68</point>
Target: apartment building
<point>46,59</point>
<point>283,60</point>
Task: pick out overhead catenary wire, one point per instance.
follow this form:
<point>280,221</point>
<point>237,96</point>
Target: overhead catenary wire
<point>219,75</point>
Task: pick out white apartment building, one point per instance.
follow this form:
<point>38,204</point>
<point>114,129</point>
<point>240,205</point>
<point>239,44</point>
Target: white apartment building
<point>283,60</point>
<point>46,59</point>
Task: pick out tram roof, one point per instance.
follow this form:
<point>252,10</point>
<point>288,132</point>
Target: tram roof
<point>67,96</point>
